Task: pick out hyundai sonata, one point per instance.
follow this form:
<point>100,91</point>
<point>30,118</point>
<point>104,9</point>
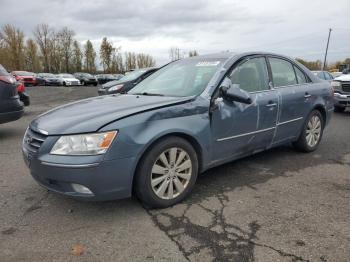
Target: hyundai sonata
<point>189,116</point>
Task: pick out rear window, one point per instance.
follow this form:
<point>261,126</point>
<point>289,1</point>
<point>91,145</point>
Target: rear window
<point>3,71</point>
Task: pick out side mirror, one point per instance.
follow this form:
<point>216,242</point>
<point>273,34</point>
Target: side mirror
<point>232,92</point>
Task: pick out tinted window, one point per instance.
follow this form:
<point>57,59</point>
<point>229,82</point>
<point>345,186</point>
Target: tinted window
<point>300,76</point>
<point>282,72</point>
<point>252,75</point>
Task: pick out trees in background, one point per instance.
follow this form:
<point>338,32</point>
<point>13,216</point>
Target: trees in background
<point>90,57</point>
<point>312,65</point>
<point>57,51</point>
<point>31,55</point>
<point>12,47</point>
<point>192,53</point>
<point>77,57</point>
<point>43,35</point>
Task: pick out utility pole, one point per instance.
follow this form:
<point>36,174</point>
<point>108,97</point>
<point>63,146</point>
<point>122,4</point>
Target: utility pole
<point>325,55</point>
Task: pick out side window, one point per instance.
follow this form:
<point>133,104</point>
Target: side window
<point>300,76</point>
<point>282,72</point>
<point>251,75</point>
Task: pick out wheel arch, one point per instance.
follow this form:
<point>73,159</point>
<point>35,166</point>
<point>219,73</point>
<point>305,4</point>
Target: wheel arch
<point>322,110</point>
<point>189,138</point>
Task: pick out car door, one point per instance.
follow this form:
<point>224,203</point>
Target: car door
<point>237,128</point>
<point>292,86</point>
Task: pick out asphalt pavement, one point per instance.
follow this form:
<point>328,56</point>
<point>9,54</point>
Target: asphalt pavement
<point>278,205</point>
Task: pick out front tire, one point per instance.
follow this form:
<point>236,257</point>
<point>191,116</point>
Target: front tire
<point>312,132</point>
<point>166,173</point>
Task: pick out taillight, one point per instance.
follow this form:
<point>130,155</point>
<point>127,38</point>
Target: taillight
<point>20,87</point>
<point>7,79</point>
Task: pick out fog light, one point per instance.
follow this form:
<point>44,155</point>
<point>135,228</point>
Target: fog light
<point>81,189</point>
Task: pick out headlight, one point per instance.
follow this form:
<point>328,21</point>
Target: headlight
<point>335,84</point>
<point>115,88</point>
<point>85,144</point>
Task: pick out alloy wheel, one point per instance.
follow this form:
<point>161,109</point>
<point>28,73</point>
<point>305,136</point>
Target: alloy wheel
<point>171,173</point>
<point>313,131</point>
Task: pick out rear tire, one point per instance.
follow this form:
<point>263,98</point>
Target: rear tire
<point>339,109</point>
<point>311,133</point>
<point>167,173</point>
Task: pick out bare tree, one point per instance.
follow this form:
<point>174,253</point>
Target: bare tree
<point>192,53</point>
<point>12,40</point>
<point>43,34</point>
<point>130,61</point>
<point>175,53</point>
<point>77,57</point>
<point>32,59</point>
<point>90,57</point>
<point>145,60</point>
<point>106,55</point>
<point>65,39</point>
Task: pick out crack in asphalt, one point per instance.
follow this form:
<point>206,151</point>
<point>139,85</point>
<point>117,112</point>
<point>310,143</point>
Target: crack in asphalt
<point>225,242</point>
<point>231,244</point>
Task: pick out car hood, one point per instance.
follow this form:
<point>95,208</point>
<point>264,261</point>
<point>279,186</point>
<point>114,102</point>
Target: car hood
<point>69,79</point>
<point>89,115</point>
<point>343,78</point>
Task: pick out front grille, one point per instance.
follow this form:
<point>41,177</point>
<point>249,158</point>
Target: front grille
<point>33,140</point>
<point>346,86</point>
<point>27,79</point>
<point>75,83</point>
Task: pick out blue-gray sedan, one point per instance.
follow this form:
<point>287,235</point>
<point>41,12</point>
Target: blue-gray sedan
<point>189,116</point>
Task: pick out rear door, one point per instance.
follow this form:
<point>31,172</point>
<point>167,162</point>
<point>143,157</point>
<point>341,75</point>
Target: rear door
<point>295,98</point>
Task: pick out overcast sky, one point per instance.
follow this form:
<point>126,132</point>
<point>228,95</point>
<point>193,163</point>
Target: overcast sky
<point>297,28</point>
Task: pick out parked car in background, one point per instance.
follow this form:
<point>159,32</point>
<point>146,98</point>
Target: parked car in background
<point>336,74</point>
<point>23,96</point>
<point>189,116</point>
<point>68,80</point>
<point>48,79</point>
<point>127,82</point>
<point>86,79</point>
<point>28,78</point>
<point>341,86</point>
<point>105,78</point>
<point>325,75</point>
<point>11,107</point>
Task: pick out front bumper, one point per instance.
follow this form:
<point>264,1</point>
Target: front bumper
<point>341,100</point>
<point>107,180</point>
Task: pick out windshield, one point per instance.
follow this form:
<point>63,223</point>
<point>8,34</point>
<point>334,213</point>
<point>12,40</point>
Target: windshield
<point>182,78</point>
<point>66,76</point>
<point>46,75</point>
<point>86,75</point>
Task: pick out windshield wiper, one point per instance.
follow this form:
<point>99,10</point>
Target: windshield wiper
<point>148,94</point>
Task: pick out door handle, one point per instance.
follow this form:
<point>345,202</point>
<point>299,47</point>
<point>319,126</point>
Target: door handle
<point>271,104</point>
<point>307,95</point>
